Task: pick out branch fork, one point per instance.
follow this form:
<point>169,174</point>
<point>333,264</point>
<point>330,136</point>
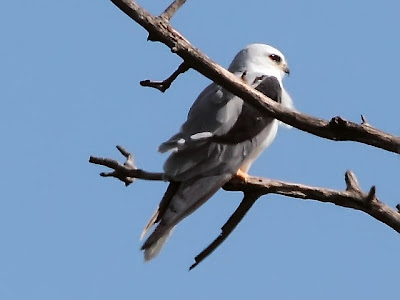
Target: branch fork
<point>162,86</point>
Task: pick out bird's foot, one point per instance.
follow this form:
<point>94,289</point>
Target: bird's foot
<point>242,175</point>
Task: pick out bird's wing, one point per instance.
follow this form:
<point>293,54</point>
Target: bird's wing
<point>200,169</point>
<point>213,113</point>
<point>189,196</point>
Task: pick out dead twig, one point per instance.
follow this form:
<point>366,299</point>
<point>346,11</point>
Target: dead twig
<point>165,84</point>
<point>126,172</point>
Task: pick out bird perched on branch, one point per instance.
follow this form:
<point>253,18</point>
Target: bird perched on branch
<point>220,139</point>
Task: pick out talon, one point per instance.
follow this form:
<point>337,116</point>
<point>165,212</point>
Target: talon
<point>242,175</point>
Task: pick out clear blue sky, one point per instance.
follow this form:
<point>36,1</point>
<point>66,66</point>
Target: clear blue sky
<point>69,88</point>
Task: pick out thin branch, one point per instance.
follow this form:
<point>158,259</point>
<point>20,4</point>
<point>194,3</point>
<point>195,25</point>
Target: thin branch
<point>248,200</point>
<point>129,163</point>
<point>336,129</point>
<point>165,84</point>
<point>171,10</point>
<point>126,172</point>
<point>352,197</point>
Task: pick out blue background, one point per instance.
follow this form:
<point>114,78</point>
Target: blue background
<point>69,74</point>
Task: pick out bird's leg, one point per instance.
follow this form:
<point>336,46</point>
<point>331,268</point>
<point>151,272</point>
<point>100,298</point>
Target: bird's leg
<point>242,175</point>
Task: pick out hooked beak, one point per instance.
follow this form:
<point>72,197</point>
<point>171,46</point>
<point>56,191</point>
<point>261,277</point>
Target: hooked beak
<point>286,69</point>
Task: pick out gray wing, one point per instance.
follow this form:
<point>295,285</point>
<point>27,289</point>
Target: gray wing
<point>199,168</point>
<point>214,112</point>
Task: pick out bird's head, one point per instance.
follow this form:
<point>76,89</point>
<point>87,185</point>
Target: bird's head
<point>261,58</point>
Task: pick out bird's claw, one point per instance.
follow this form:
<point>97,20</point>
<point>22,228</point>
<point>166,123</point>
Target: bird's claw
<point>242,175</point>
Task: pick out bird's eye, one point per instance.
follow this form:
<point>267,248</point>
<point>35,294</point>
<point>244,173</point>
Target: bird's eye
<point>275,58</point>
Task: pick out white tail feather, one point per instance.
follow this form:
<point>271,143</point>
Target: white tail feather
<point>153,251</point>
<point>150,224</point>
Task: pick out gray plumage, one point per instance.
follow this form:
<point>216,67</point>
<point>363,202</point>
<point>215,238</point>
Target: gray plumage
<point>222,134</point>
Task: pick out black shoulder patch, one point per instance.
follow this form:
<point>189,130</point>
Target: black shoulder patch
<point>270,87</point>
<point>251,121</point>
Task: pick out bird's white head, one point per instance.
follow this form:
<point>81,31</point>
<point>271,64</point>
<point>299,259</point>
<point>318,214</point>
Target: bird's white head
<point>261,58</point>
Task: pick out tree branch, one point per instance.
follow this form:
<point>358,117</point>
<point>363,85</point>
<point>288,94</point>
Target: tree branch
<point>126,172</point>
<point>352,197</point>
<point>336,129</point>
<point>165,84</point>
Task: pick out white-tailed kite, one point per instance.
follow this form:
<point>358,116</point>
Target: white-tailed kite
<point>221,138</point>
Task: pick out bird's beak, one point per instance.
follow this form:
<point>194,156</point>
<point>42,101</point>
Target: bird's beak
<point>286,69</point>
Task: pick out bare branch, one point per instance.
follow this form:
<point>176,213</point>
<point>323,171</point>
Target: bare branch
<point>115,174</point>
<point>352,197</point>
<point>171,10</point>
<point>336,129</point>
<point>248,200</point>
<point>165,84</point>
<point>129,163</point>
<point>126,172</point>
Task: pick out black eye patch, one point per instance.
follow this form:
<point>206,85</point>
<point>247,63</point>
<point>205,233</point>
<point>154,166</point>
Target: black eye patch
<point>275,58</point>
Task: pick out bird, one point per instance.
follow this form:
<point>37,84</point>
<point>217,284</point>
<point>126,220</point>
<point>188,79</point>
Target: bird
<point>221,138</point>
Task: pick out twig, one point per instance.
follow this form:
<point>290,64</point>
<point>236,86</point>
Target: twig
<point>336,129</point>
<point>364,121</point>
<point>165,84</point>
<point>129,163</point>
<point>248,200</point>
<point>171,10</point>
<point>126,172</point>
<point>352,182</point>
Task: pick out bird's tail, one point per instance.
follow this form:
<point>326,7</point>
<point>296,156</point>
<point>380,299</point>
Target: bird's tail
<point>179,201</point>
<point>154,249</point>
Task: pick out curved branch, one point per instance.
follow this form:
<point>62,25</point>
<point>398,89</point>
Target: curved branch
<point>352,197</point>
<point>162,86</point>
<point>336,129</point>
<point>123,172</point>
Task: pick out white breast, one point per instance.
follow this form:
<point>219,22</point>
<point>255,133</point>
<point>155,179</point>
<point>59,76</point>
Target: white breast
<point>267,141</point>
